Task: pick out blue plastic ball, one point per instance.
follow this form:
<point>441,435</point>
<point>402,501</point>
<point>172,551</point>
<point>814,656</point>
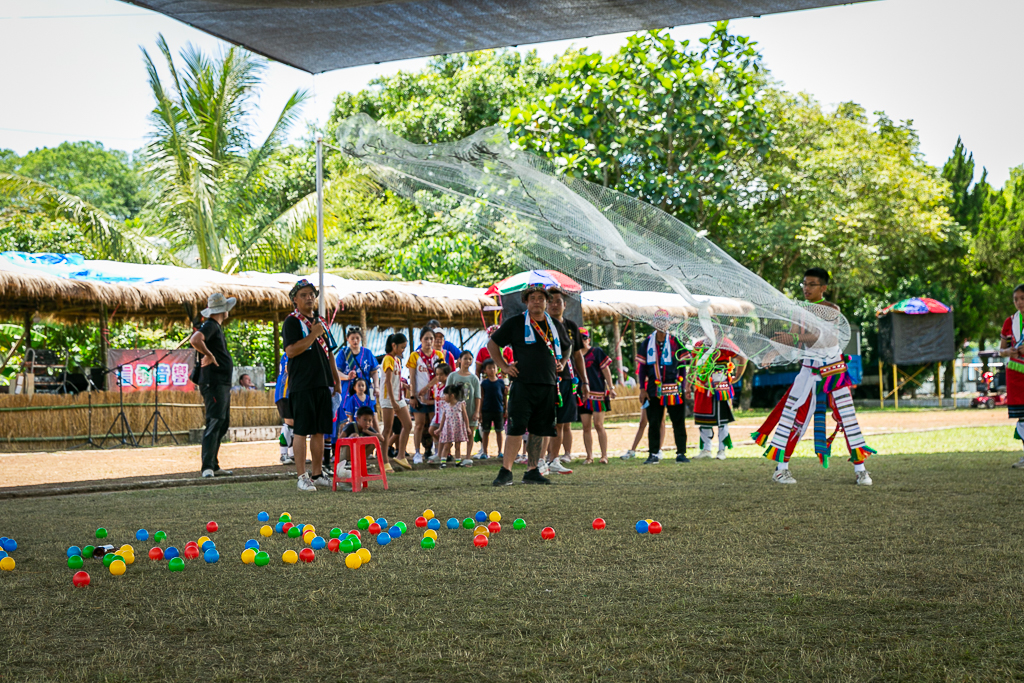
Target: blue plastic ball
<point>10,545</point>
<point>141,535</point>
<point>453,523</point>
<point>73,550</point>
<point>211,555</point>
<point>394,532</point>
<point>383,538</point>
<point>318,543</point>
<point>279,528</point>
<point>383,522</point>
<point>170,553</point>
<point>251,543</point>
<point>641,527</point>
<point>2,554</point>
<point>263,517</point>
<point>207,545</point>
<point>434,523</point>
<point>481,516</point>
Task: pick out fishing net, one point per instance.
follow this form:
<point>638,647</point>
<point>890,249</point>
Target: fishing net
<point>674,278</point>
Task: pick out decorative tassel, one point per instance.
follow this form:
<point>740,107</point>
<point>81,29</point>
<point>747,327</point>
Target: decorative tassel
<point>728,441</point>
<point>759,438</point>
<point>859,455</point>
<point>775,453</point>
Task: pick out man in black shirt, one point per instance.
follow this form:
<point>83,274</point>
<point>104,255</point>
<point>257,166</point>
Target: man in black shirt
<point>311,375</point>
<point>540,347</point>
<point>567,409</point>
<point>214,379</point>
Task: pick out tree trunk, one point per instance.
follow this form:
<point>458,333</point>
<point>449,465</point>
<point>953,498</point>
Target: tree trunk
<point>947,380</point>
<point>747,392</point>
<point>617,346</point>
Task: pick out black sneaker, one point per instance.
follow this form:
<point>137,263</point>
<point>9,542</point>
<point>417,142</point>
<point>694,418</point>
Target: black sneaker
<point>504,478</point>
<point>652,459</point>
<point>534,477</point>
<point>682,458</point>
<point>222,473</point>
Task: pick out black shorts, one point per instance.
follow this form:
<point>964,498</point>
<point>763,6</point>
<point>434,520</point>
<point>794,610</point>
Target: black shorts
<point>422,407</point>
<point>531,408</point>
<point>567,411</point>
<point>489,421</point>
<point>312,411</point>
<point>284,409</point>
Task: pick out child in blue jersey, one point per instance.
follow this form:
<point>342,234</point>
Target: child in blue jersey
<point>284,410</point>
<point>359,399</point>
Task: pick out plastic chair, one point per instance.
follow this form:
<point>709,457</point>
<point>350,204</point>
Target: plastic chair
<point>360,478</point>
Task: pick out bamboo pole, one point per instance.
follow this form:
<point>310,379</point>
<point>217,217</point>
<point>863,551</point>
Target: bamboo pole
<point>104,343</point>
<point>881,384</point>
<point>896,386</point>
<point>617,343</point>
<point>362,321</point>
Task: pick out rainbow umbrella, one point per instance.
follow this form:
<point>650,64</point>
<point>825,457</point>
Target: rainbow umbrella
<point>534,278</point>
<point>917,305</point>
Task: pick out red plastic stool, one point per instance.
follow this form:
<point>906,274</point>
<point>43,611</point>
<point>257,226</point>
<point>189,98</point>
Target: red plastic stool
<point>360,478</point>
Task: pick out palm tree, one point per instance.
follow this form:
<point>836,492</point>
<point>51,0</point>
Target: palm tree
<point>205,170</point>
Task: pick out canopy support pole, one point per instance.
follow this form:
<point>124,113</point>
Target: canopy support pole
<point>362,322</point>
<point>277,341</point>
<point>322,302</point>
<point>617,343</point>
<point>104,342</point>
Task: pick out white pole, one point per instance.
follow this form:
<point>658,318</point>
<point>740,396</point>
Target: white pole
<point>320,219</point>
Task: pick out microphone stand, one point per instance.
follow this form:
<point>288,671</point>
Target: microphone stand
<point>89,441</point>
<point>156,418</point>
<point>127,436</point>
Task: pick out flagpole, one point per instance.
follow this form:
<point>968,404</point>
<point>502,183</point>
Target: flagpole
<point>320,219</point>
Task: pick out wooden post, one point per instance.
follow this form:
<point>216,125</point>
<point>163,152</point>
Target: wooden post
<point>277,342</point>
<point>362,322</point>
<point>881,384</point>
<point>104,343</point>
<point>938,382</point>
<point>896,386</point>
<point>28,331</point>
<point>617,343</point>
<point>632,329</point>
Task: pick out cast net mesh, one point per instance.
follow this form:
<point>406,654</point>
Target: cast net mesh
<point>601,238</point>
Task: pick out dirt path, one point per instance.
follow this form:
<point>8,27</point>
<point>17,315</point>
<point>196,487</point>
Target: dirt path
<point>27,469</point>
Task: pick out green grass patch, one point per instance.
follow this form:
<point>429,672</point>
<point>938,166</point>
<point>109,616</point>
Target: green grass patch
<point>916,578</point>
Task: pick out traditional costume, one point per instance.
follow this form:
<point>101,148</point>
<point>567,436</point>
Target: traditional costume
<point>711,400</point>
<point>1012,333</point>
<point>660,374</point>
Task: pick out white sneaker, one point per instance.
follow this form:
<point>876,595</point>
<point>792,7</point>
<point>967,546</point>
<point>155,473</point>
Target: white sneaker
<point>864,478</point>
<point>543,467</point>
<point>521,460</point>
<point>566,459</point>
<point>322,480</point>
<point>417,459</point>
<point>468,462</point>
<point>1019,464</point>
<point>630,454</point>
<point>305,484</point>
<point>287,460</point>
<point>207,473</point>
<point>783,477</point>
<point>721,455</point>
<point>556,467</point>
<point>706,453</point>
<point>433,459</point>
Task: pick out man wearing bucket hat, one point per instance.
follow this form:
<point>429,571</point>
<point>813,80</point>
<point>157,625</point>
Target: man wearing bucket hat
<point>214,379</point>
<point>312,373</point>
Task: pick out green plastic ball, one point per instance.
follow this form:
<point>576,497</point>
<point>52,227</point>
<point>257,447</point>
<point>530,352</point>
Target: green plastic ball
<point>427,542</point>
<point>362,525</point>
<point>335,532</point>
<point>356,543</point>
<point>176,565</point>
<point>101,533</point>
<point>285,517</point>
<point>88,550</point>
<point>294,532</point>
<point>262,558</point>
<point>346,546</point>
<point>160,536</point>
<point>75,562</point>
<point>519,524</point>
<point>108,558</point>
<point>401,525</point>
<point>468,523</point>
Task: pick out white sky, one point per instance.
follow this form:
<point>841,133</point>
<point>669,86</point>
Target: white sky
<point>72,70</point>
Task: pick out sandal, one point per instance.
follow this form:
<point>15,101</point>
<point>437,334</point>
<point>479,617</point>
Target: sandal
<point>603,461</point>
<point>588,461</point>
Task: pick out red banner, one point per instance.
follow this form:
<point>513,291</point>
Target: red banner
<point>141,369</point>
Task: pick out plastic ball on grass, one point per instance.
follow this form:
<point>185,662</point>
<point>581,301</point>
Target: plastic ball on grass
<point>494,527</point>
<point>641,527</point>
<point>402,526</point>
<point>74,550</point>
<point>206,546</point>
<point>160,536</point>
<point>107,559</point>
<point>430,533</point>
<point>293,532</point>
<point>480,516</point>
<point>383,539</point>
<point>156,554</point>
<point>279,528</point>
<point>7,564</point>
<point>308,527</point>
<point>364,555</point>
<point>248,556</point>
<point>318,543</point>
<point>176,565</point>
<point>118,567</point>
<point>427,542</point>
<point>362,525</point>
<point>335,532</point>
<point>262,559</point>
<point>421,522</point>
<point>307,555</point>
<point>394,532</point>
<point>347,546</point>
<point>468,523</point>
<point>286,527</point>
<point>290,557</point>
<point>495,516</point>
<point>382,522</point>
<point>648,521</point>
<point>211,556</point>
<point>481,530</point>
<point>355,532</point>
<point>80,579</point>
<point>452,523</point>
<point>428,514</point>
<point>285,517</point>
<point>262,516</point>
<point>519,524</point>
<point>266,531</point>
<point>141,535</point>
<point>75,562</point>
<point>191,552</point>
<point>434,523</point>
<point>654,528</point>
<point>252,543</point>
<point>599,523</point>
<point>129,558</point>
<point>201,540</point>
<point>480,541</point>
<point>356,543</point>
<point>375,528</point>
<point>353,561</point>
<point>101,533</point>
<point>308,537</point>
<point>547,533</point>
<point>334,545</point>
<point>2,554</point>
<point>87,551</point>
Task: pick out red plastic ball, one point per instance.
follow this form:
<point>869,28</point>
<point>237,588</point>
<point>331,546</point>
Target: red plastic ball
<point>333,544</point>
<point>81,579</point>
<point>547,533</point>
<point>191,552</point>
<point>494,527</point>
<point>421,521</point>
<point>599,523</point>
<point>374,528</point>
<point>156,554</point>
<point>191,544</point>
<point>355,532</point>
<point>307,555</point>
<point>480,541</point>
<point>211,526</point>
<point>654,528</point>
<point>286,527</point>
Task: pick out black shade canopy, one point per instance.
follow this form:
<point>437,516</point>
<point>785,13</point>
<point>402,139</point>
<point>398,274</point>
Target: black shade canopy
<point>321,35</point>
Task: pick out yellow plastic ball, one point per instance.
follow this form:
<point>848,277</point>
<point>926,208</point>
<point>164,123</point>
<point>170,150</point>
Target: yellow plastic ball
<point>481,530</point>
<point>309,527</point>
<point>494,516</point>
<point>290,557</point>
<point>308,537</point>
<point>7,564</point>
<point>288,514</point>
<point>202,540</point>
<point>363,554</point>
<point>430,533</point>
<point>353,561</point>
<point>129,548</point>
<point>117,567</point>
<point>370,519</point>
<point>648,520</point>
<point>248,556</point>
<point>428,514</point>
<point>266,530</point>
<point>129,558</point>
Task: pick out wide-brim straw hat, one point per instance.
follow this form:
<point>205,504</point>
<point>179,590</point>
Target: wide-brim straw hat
<point>218,303</point>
